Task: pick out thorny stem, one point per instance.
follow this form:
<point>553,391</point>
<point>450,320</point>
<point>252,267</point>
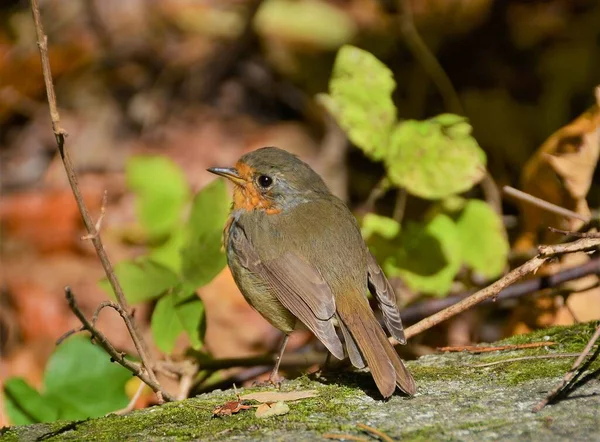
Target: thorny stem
<point>93,234</point>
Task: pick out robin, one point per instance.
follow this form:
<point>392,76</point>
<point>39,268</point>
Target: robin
<point>297,255</point>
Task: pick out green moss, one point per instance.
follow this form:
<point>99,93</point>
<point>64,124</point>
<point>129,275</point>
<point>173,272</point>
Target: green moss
<point>194,420</point>
<point>428,373</point>
<point>456,401</point>
<point>569,338</point>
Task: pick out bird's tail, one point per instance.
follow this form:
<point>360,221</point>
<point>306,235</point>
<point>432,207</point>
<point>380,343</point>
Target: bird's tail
<point>386,366</point>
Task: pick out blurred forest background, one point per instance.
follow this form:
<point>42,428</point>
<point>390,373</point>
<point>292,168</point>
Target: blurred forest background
<point>202,82</point>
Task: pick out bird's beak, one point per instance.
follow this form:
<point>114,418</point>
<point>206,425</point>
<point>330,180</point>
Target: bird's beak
<point>230,173</point>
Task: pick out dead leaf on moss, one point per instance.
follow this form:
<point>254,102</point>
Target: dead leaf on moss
<point>229,408</point>
<point>276,409</point>
<point>279,396</point>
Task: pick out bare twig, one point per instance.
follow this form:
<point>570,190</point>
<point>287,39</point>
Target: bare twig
<point>492,193</point>
<point>492,291</point>
<point>575,234</point>
<point>380,434</point>
<point>571,373</point>
<point>427,59</point>
<point>98,224</point>
<point>340,436</point>
<point>289,360</point>
<point>542,204</point>
<point>377,192</point>
<point>418,311</point>
<point>482,349</point>
<point>131,405</point>
<point>400,205</point>
<point>115,355</point>
<point>110,304</point>
<point>60,134</point>
<point>69,334</point>
<point>526,358</point>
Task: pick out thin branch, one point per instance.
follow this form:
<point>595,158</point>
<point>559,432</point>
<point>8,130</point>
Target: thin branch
<point>377,192</point>
<point>542,204</point>
<point>115,355</point>
<point>289,360</point>
<point>482,349</point>
<point>575,234</point>
<point>131,405</point>
<point>526,358</point>
<point>571,373</point>
<point>380,434</point>
<point>108,304</point>
<point>400,205</point>
<point>98,224</point>
<point>69,334</point>
<point>492,291</point>
<point>340,436</point>
<point>492,193</point>
<point>93,233</point>
<point>418,311</point>
<point>427,59</point>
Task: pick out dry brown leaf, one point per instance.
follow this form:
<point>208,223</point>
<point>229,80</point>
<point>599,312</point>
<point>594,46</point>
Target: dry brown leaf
<point>280,396</point>
<point>229,408</point>
<point>268,410</point>
<point>560,172</point>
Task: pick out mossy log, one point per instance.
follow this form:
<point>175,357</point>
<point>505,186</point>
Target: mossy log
<point>456,401</point>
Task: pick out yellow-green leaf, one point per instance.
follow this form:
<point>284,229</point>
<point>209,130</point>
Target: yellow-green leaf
<point>484,245</point>
<point>360,98</point>
<point>202,255</point>
<point>161,190</point>
<point>432,160</point>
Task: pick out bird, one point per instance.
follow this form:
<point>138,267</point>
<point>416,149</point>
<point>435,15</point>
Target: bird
<point>297,255</point>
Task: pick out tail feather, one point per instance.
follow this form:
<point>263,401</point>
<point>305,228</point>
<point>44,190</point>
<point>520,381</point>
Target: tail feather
<point>386,367</point>
<point>351,347</point>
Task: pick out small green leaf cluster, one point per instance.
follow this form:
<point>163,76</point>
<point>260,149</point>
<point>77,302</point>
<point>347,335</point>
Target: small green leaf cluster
<point>435,159</point>
<point>79,382</point>
<point>183,255</point>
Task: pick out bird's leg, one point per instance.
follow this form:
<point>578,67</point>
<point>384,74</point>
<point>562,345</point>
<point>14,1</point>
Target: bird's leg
<point>274,376</point>
<point>325,366</point>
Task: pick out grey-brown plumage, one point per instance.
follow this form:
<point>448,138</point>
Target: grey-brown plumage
<point>296,253</point>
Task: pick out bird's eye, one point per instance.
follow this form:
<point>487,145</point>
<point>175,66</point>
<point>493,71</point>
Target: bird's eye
<point>265,181</point>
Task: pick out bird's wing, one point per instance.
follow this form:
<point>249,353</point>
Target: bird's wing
<point>298,285</point>
<point>384,293</point>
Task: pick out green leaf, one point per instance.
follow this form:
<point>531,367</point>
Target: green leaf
<point>383,226</point>
<point>434,161</point>
<point>142,279</point>
<point>175,313</point>
<point>202,255</point>
<point>429,256</point>
<point>168,253</point>
<point>24,404</point>
<point>484,245</point>
<point>161,190</point>
<point>193,319</point>
<point>82,382</point>
<point>360,98</point>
